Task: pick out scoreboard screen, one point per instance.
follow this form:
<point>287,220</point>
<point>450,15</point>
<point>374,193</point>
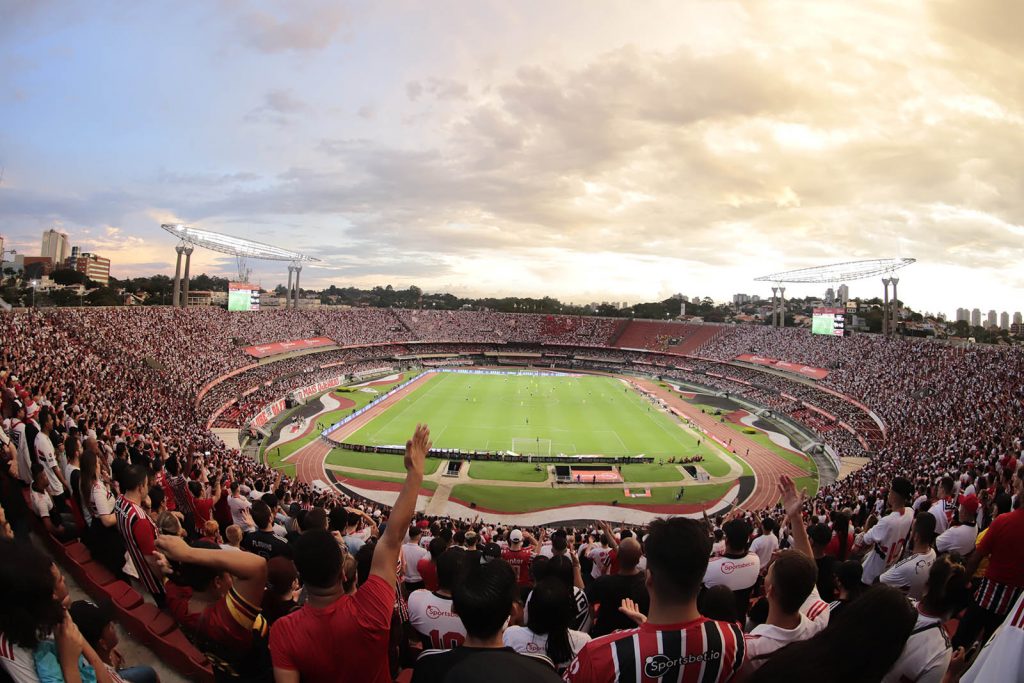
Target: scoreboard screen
<point>829,321</point>
<point>243,296</point>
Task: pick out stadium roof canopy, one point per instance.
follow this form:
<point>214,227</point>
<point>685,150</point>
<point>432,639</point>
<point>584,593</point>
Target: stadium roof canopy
<point>236,246</point>
<point>840,272</point>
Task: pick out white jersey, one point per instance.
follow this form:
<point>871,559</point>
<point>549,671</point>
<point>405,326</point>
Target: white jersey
<point>17,662</point>
<point>602,559</point>
<point>942,510</point>
<point>764,546</point>
<point>524,641</point>
<point>1002,658</point>
<point>413,553</point>
<point>888,538</point>
<point>433,618</point>
<point>958,539</point>
<point>765,640</point>
<point>910,575</point>
<point>737,574</point>
<point>20,440</point>
<point>925,656</point>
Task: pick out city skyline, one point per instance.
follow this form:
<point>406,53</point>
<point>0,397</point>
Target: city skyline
<point>589,153</point>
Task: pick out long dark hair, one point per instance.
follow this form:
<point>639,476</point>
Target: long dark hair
<point>841,523</point>
<point>551,613</point>
<point>946,589</point>
<point>879,622</point>
<point>87,466</point>
<point>29,612</point>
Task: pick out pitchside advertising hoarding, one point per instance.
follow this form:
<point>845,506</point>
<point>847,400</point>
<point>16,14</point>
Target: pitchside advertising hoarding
<point>243,296</point>
<point>829,321</point>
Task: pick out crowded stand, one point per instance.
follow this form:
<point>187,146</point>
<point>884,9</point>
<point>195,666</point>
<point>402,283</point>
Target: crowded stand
<point>892,573</point>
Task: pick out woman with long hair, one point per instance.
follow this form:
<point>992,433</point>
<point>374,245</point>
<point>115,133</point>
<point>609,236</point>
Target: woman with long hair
<point>927,653</point>
<point>842,539</point>
<point>102,537</point>
<point>551,611</point>
<point>879,623</point>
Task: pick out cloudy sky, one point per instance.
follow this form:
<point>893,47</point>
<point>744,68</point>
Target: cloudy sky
<point>588,150</point>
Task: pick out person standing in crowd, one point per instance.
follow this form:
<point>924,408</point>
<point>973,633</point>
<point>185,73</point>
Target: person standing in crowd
<point>674,641</point>
<point>520,557</point>
<point>485,601</point>
<point>430,612</point>
<point>960,537</point>
<point>737,568</point>
<point>361,621</point>
<point>910,574</point>
<point>609,591</point>
<point>139,533</point>
<point>884,541</point>
<point>412,553</point>
<point>547,630</point>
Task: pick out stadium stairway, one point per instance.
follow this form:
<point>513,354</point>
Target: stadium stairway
<point>701,336</point>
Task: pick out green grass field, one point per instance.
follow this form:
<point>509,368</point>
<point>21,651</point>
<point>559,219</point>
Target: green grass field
<point>519,499</point>
<point>377,461</point>
<point>577,415</point>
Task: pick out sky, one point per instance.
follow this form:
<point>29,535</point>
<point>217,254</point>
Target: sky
<point>606,150</point>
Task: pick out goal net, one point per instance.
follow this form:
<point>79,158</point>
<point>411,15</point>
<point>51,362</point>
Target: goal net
<point>531,446</point>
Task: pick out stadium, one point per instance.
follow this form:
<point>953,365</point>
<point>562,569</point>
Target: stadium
<point>347,342</point>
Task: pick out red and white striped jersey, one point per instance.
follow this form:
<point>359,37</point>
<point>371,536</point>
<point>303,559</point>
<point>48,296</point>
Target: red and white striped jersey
<point>698,651</point>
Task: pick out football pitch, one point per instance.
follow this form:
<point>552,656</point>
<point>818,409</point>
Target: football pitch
<point>556,414</point>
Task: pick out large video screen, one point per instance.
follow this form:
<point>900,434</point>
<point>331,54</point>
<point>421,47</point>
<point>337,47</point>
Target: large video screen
<point>243,296</point>
<point>828,321</point>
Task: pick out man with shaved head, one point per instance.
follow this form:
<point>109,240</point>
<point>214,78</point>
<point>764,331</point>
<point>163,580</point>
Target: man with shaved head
<point>610,590</point>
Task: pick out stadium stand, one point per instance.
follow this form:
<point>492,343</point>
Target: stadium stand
<point>119,391</point>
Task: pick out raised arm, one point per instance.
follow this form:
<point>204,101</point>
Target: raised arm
<point>793,502</point>
<point>385,555</point>
<point>249,570</point>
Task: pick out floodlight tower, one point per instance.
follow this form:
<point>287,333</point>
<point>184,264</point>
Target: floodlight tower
<point>885,308</point>
<point>895,306</point>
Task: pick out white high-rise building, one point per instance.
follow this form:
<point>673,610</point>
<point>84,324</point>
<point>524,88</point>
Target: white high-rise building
<point>990,320</point>
<point>963,314</point>
<point>1017,318</point>
<point>830,296</point>
<point>976,317</point>
<point>56,246</point>
<point>843,294</point>
<point>1004,321</point>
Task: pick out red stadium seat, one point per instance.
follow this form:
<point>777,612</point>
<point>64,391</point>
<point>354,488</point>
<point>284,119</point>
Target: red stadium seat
<point>123,595</point>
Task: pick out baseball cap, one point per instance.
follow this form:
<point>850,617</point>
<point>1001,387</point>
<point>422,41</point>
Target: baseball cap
<point>491,551</point>
<point>91,618</point>
<point>903,487</point>
<point>423,524</point>
<point>969,503</point>
<point>516,536</point>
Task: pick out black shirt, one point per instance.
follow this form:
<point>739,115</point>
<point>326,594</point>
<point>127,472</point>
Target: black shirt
<point>265,544</point>
<point>487,665</point>
<point>609,591</point>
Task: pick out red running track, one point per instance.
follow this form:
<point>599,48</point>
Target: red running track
<point>309,461</point>
<point>767,465</point>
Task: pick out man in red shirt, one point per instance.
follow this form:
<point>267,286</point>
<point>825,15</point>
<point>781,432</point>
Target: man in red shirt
<point>1003,545</point>
<point>519,557</point>
<point>359,623</point>
<point>675,642</point>
<point>139,533</point>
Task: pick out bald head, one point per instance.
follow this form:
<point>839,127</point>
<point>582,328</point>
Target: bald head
<point>629,554</point>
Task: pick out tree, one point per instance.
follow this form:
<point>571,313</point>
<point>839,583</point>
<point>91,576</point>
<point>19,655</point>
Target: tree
<point>67,276</point>
<point>104,296</point>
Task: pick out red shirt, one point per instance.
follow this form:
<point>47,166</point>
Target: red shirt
<point>204,510</point>
<point>1005,543</point>
<point>428,572</point>
<point>307,640</point>
<point>520,561</point>
<point>231,623</point>
<point>708,651</point>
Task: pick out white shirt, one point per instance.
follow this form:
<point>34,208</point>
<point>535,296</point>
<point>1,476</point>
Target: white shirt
<point>432,617</point>
<point>888,537</point>
<point>911,574</point>
<point>736,574</point>
<point>602,559</point>
<point>20,440</point>
<point>925,656</point>
<point>238,505</point>
<point>413,553</point>
<point>48,457</point>
<point>765,640</point>
<point>524,641</point>
<point>1002,658</point>
<point>763,546</point>
<point>942,511</point>
<point>959,539</point>
<point>17,662</point>
<point>42,504</point>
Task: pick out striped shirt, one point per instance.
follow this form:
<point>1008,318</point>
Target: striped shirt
<point>1002,658</point>
<point>698,651</point>
<point>139,535</point>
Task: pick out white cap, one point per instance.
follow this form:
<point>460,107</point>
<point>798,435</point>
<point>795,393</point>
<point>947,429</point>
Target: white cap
<point>516,536</point>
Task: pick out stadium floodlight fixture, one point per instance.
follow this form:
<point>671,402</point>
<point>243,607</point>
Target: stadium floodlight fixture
<point>839,272</point>
<point>241,249</point>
